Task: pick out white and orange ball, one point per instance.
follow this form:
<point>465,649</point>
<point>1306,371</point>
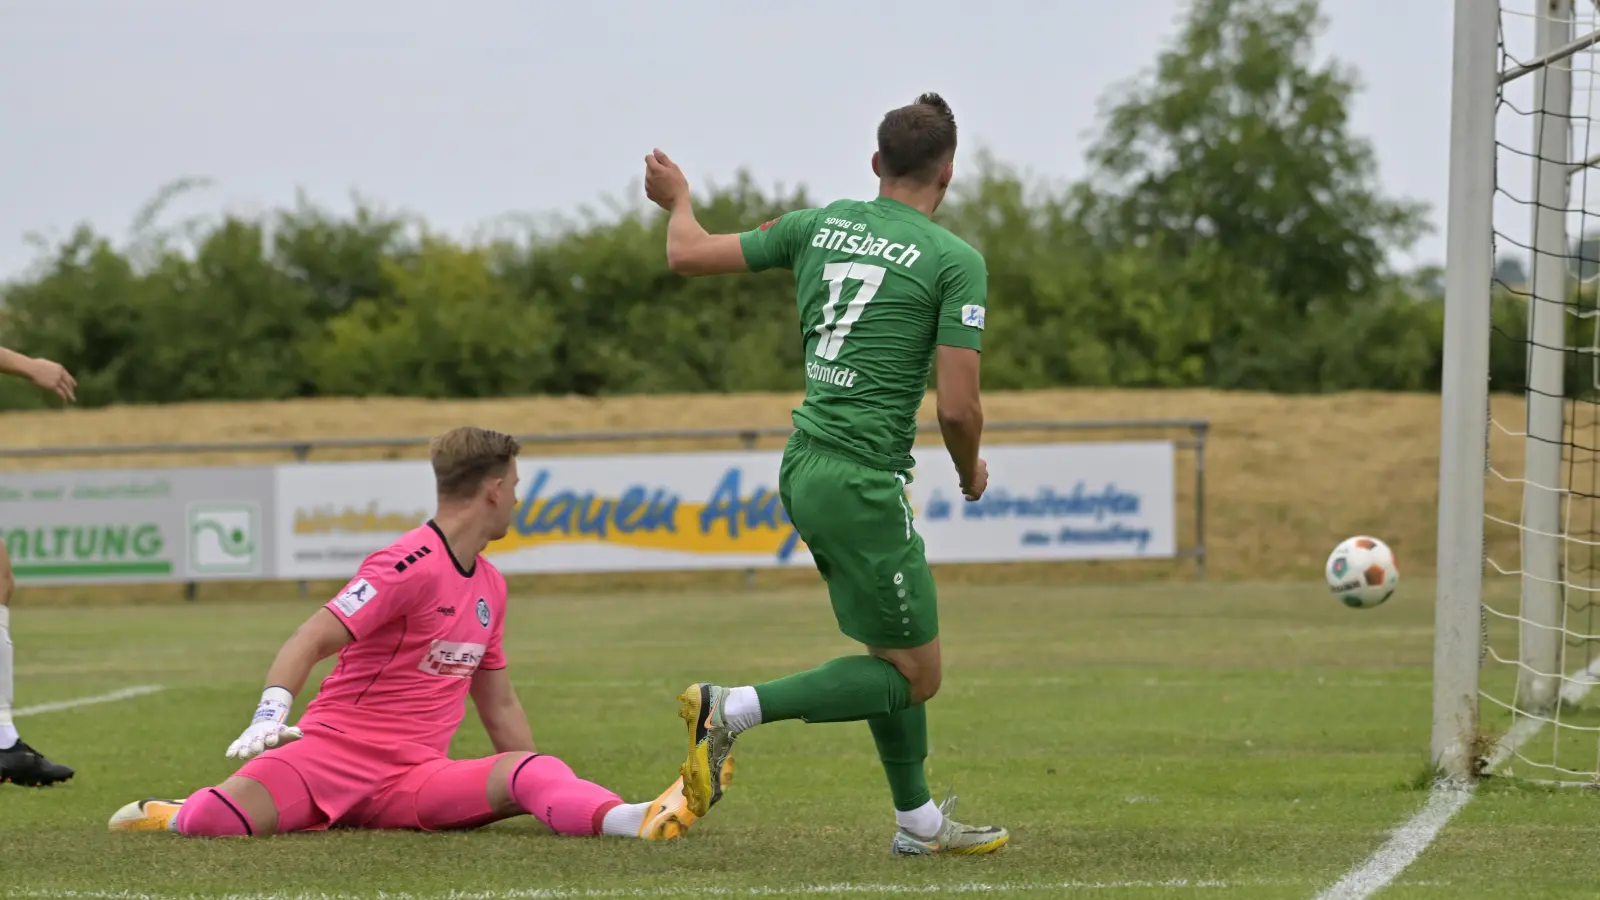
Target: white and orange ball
<point>1362,572</point>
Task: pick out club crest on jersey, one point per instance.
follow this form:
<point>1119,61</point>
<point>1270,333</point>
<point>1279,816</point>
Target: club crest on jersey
<point>972,316</point>
<point>483,612</point>
<point>355,595</point>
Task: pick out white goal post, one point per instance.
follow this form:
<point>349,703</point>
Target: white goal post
<point>1517,609</point>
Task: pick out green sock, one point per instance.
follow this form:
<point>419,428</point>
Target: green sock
<point>847,689</point>
<point>902,739</point>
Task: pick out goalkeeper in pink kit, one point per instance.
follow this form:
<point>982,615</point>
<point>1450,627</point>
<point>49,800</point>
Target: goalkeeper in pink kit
<point>418,630</point>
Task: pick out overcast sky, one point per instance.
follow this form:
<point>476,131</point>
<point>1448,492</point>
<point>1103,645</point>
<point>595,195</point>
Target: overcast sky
<point>468,110</point>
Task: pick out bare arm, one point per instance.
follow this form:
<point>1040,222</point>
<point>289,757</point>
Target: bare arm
<point>961,415</point>
<point>690,250</point>
<point>501,712</point>
<point>13,363</point>
<point>48,375</point>
<point>317,638</point>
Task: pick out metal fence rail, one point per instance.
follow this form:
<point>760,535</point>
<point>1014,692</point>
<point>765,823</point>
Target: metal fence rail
<point>1198,430</point>
<point>303,448</point>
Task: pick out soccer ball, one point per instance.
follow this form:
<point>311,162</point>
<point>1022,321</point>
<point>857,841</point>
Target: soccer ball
<point>1361,572</point>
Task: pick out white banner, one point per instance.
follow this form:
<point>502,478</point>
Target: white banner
<point>1051,502</point>
<point>721,510</point>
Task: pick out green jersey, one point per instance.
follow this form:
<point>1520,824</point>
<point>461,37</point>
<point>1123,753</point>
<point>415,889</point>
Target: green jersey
<point>879,285</point>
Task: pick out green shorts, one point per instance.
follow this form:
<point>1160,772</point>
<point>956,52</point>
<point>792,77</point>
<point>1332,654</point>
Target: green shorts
<point>856,521</point>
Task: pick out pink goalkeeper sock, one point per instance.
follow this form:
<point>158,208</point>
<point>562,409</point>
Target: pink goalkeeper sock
<point>547,789</point>
<point>210,813</point>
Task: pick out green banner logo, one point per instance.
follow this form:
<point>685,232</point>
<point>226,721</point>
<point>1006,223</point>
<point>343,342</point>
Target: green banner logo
<point>56,551</point>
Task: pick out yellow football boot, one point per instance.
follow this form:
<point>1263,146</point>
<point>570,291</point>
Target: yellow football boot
<point>710,742</point>
<point>668,816</point>
<point>146,815</point>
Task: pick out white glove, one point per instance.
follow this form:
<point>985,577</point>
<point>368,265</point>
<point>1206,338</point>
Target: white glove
<point>267,728</point>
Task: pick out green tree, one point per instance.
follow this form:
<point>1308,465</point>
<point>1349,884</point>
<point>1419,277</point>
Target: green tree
<point>1231,234</point>
<point>1237,148</point>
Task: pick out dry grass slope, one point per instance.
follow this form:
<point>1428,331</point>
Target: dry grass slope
<point>1286,477</point>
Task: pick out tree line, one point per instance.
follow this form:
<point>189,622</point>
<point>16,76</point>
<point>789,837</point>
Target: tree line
<point>1230,233</point>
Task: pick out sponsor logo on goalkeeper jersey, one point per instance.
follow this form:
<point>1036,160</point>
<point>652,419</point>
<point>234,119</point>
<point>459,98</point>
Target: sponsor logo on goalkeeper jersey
<point>452,659</point>
<point>972,316</point>
<point>838,376</point>
<point>865,245</point>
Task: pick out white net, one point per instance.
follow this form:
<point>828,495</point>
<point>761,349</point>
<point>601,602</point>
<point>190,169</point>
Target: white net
<point>1542,499</point>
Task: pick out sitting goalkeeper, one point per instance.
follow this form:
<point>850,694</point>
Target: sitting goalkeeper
<point>417,630</point>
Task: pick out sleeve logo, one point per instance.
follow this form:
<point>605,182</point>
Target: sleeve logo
<point>355,596</point>
<point>769,223</point>
<point>972,316</point>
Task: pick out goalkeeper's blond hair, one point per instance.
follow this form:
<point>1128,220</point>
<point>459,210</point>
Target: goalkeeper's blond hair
<point>465,457</point>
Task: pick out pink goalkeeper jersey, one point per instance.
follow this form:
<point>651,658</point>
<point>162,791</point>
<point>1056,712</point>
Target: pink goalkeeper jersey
<point>422,627</point>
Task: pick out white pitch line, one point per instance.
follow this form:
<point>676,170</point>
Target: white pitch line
<point>1408,841</point>
<point>857,888</point>
<point>114,696</point>
<point>1403,847</point>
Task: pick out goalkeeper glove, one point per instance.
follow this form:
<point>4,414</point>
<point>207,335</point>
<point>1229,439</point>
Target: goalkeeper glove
<point>267,728</point>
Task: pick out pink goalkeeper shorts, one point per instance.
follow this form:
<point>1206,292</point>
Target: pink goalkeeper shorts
<point>330,779</point>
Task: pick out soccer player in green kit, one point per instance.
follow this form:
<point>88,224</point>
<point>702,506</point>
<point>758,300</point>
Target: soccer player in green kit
<point>881,291</point>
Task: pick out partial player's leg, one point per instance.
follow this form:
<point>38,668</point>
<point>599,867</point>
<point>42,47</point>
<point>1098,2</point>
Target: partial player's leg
<point>19,763</point>
<point>459,794</point>
<point>268,795</point>
<point>857,524</point>
<point>238,807</point>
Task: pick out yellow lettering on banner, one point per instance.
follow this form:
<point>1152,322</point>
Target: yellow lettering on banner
<point>681,533</point>
<point>325,520</point>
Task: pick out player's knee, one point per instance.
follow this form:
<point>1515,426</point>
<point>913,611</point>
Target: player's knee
<point>925,684</point>
<point>501,794</point>
<point>923,674</point>
<point>211,813</point>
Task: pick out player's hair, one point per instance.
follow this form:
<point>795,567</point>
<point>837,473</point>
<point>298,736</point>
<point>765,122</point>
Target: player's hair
<point>464,457</point>
<point>917,140</point>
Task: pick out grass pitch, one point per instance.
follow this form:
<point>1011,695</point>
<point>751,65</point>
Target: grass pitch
<point>1139,741</point>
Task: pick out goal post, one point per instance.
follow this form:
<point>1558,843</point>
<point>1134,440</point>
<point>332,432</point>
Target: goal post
<point>1517,605</point>
<point>1463,431</point>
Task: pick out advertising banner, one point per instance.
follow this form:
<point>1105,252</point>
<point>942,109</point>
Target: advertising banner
<point>128,525</point>
<point>670,511</point>
<point>577,514</point>
<point>1051,502</point>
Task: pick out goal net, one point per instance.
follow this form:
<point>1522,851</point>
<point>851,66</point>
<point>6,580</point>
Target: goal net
<point>1518,608</point>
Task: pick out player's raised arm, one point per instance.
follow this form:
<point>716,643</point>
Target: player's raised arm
<point>51,376</point>
<point>690,249</point>
<point>963,289</point>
